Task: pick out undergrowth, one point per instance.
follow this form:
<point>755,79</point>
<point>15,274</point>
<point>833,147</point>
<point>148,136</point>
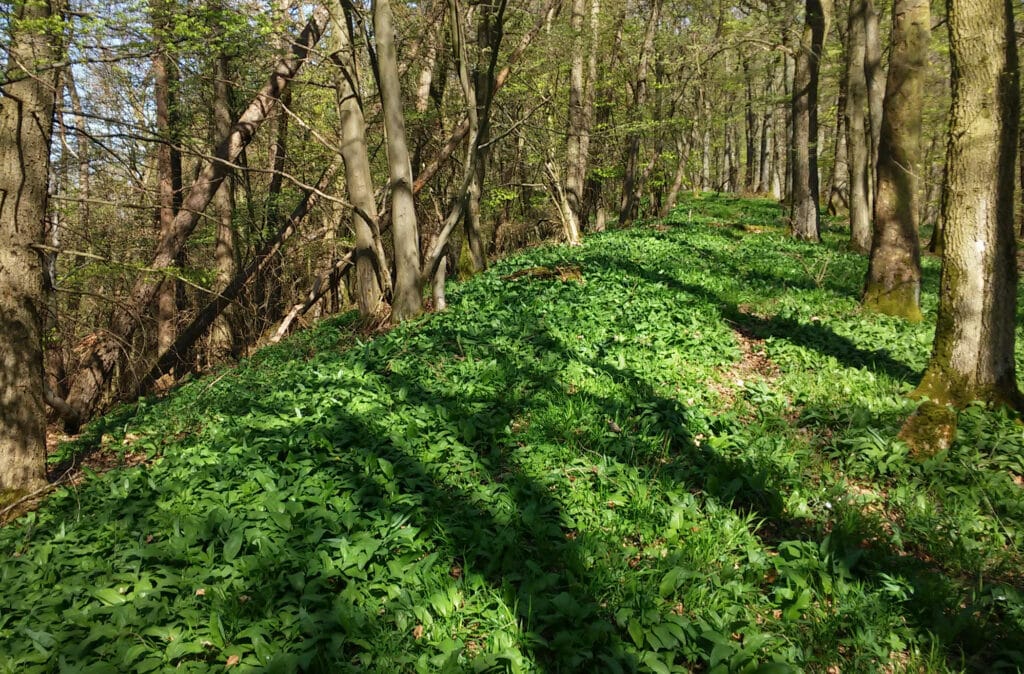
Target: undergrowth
<point>680,458</point>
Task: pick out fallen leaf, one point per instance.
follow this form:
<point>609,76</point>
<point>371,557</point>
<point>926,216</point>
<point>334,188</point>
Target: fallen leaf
<point>233,660</point>
<point>417,632</point>
<point>200,592</point>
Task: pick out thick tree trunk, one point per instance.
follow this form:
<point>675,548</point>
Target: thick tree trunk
<point>93,378</point>
<point>858,144</point>
<point>26,123</point>
<point>973,354</point>
<point>893,284</point>
<point>804,215</point>
<point>358,176</point>
<point>408,295</point>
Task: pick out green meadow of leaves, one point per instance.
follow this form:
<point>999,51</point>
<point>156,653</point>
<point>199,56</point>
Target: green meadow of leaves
<point>682,460</point>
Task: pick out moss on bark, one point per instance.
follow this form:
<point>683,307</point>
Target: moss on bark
<point>929,430</point>
<point>901,300</point>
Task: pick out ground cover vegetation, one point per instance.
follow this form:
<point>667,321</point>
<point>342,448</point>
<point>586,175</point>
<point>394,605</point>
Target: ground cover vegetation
<point>671,448</point>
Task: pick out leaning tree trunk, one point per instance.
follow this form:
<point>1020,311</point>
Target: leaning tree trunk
<point>973,354</point>
<point>804,215</point>
<point>858,150</point>
<point>408,295</point>
<point>26,123</point>
<point>893,284</point>
<point>93,378</point>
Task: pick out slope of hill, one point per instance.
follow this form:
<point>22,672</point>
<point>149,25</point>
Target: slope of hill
<point>669,449</point>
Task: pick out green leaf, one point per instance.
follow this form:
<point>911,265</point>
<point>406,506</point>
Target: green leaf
<point>178,649</point>
<point>233,545</point>
<point>636,632</point>
<point>110,596</point>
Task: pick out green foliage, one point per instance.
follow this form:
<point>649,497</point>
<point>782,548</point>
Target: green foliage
<point>683,460</point>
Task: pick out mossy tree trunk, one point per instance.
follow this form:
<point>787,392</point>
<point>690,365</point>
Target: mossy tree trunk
<point>804,215</point>
<point>26,123</point>
<point>893,284</point>
<point>972,357</point>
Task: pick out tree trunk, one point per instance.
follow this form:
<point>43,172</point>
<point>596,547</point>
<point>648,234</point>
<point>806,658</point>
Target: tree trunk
<point>875,79</point>
<point>973,354</point>
<point>857,143</point>
<point>629,203</point>
<point>839,185</point>
<point>93,378</point>
<point>358,176</point>
<point>575,159</point>
<point>750,117</point>
<point>408,295</point>
<point>893,284</point>
<point>168,162</point>
<point>222,337</point>
<point>804,215</point>
<point>26,124</point>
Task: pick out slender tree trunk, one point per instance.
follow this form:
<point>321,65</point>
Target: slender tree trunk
<point>168,165</point>
<point>750,117</point>
<point>408,295</point>
<point>839,185</point>
<point>26,125</point>
<point>222,337</point>
<point>858,143</point>
<point>93,378</point>
<point>629,203</point>
<point>358,176</point>
<point>269,251</point>
<point>575,160</point>
<point>804,215</point>
<point>893,284</point>
<point>875,78</point>
<point>603,101</point>
<point>973,354</point>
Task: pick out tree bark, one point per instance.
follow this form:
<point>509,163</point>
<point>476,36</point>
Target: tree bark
<point>629,204</point>
<point>358,176</point>
<point>973,353</point>
<point>839,184</point>
<point>408,295</point>
<point>804,215</point>
<point>222,337</point>
<point>26,124</point>
<point>893,284</point>
<point>875,79</point>
<point>168,162</point>
<point>93,378</point>
<point>575,160</point>
<point>857,143</point>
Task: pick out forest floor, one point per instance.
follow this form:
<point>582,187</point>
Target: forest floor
<point>670,449</point>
